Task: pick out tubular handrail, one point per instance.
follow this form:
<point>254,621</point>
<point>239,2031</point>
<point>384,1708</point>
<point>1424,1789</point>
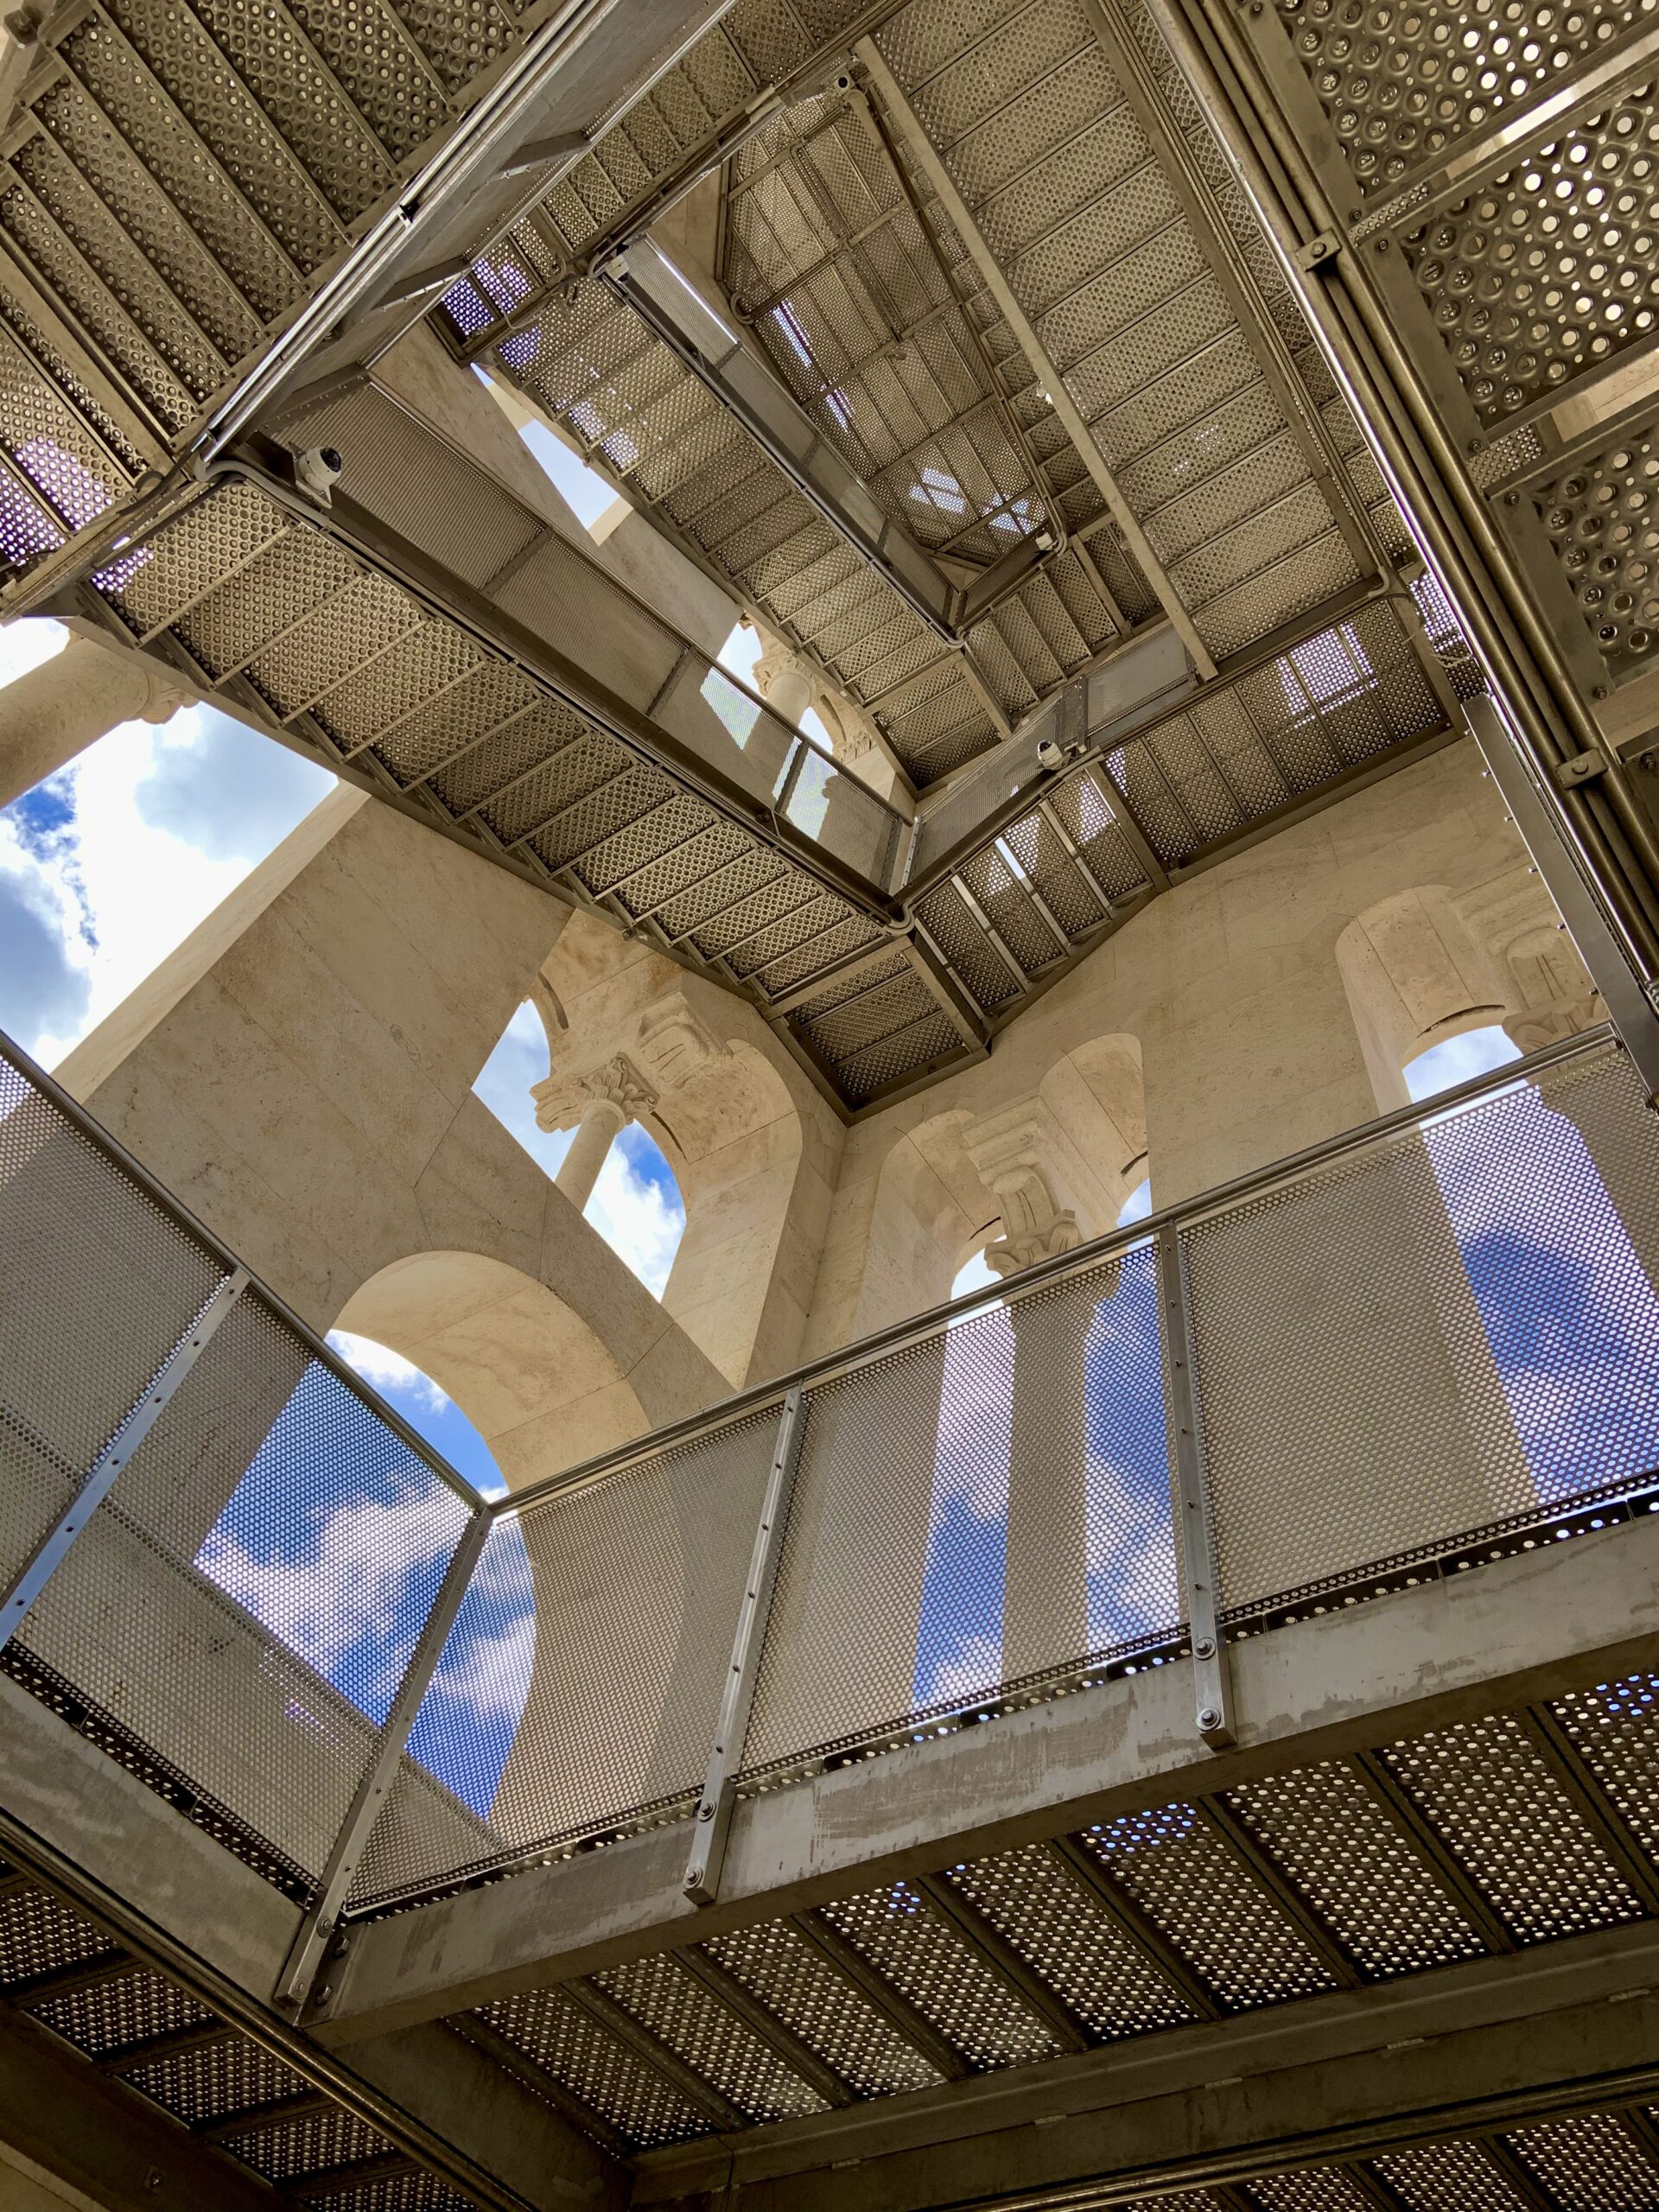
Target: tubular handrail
<point>846,1359</point>
<point>1044,1273</point>
<point>1186,1616</point>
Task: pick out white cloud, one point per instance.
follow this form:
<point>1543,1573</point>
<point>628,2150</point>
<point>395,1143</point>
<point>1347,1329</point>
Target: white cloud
<point>350,1584</point>
<point>637,1214</point>
<point>110,864</point>
<point>27,645</point>
<point>636,1218</point>
<point>965,1672</point>
<point>389,1373</point>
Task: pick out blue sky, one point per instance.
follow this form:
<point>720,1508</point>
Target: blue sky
<point>107,866</point>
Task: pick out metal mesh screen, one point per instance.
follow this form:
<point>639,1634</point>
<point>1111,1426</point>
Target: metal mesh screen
<point>986,1507</point>
<point>241,1606</point>
<point>1451,1329</point>
<point>87,1259</point>
<point>579,1687</point>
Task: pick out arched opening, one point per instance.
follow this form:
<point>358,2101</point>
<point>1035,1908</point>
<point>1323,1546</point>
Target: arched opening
<point>1050,1536</point>
<point>635,1202</point>
<point>425,1405</point>
<point>1459,1059</point>
<point>109,863</point>
<point>1525,1300</point>
<point>534,1380</point>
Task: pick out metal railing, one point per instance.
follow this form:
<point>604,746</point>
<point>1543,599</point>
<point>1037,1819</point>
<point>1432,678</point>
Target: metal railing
<point>1432,1339</point>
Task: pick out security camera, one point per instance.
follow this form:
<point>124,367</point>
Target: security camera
<point>317,471</point>
<point>1049,755</point>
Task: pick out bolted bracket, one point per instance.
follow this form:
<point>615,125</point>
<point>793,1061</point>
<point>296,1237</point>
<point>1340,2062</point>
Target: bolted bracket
<point>1319,252</point>
<point>1582,768</point>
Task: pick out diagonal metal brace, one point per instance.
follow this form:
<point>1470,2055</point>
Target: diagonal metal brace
<point>714,1821</point>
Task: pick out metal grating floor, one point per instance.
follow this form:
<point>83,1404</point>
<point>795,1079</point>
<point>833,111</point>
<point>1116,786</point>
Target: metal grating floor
<point>1511,1831</point>
<point>136,2025</point>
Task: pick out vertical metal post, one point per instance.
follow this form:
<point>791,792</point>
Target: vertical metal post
<point>714,1821</point>
<point>1213,1697</point>
<point>1563,874</point>
<point>48,1554</point>
<point>317,1930</point>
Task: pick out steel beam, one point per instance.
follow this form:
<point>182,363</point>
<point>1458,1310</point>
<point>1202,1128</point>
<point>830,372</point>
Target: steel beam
<point>910,2025</point>
<point>750,388</point>
<point>1356,1678</point>
<point>713,1813</point>
<point>112,2145</point>
<point>941,182</point>
<point>1571,2028</point>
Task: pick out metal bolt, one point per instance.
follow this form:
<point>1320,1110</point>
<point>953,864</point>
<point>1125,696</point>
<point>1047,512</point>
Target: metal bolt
<point>1512,499</point>
<point>705,1812</point>
<point>153,2178</point>
<point>1598,691</point>
<point>1205,1648</point>
<point>1380,246</point>
<point>1475,444</point>
<point>1208,1718</point>
<point>325,1992</point>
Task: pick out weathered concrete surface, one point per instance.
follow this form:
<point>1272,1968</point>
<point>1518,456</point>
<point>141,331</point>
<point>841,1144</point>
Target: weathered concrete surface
<point>1512,1632</point>
<point>124,1839</point>
<point>1328,2075</point>
<point>114,2149</point>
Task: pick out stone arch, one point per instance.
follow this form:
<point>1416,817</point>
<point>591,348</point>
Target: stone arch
<point>1415,974</point>
<point>752,1150</point>
<point>534,1376</point>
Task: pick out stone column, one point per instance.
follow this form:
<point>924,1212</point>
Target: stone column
<point>57,710</point>
<point>1046,1572</point>
<point>785,682</point>
<point>613,1096</point>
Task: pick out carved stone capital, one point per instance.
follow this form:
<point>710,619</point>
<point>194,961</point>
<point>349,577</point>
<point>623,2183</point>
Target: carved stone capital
<point>1011,1255</point>
<point>619,1084</point>
<point>563,1099</point>
<point>1534,1027</point>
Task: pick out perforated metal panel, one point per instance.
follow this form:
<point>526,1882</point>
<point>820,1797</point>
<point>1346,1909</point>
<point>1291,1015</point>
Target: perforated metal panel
<point>1031,1898</point>
<point>924,1959</point>
<point>723,2049</point>
<point>219,1605</point>
<point>1387,1383</point>
<point>1311,2188</point>
<point>122,2014</point>
<point>1219,1917</point>
<point>1234,755</point>
<point>1589,2162</point>
<point>311,2144</point>
<point>1007,1479</point>
<point>1449,2178</point>
<point>1602,516</point>
<point>219,2079</point>
<point>1397,105</point>
<point>1509,1820</point>
<point>551,2028</point>
<point>578,1687</point>
<point>1364,1881</point>
<point>1544,271</point>
<point>825,2010</point>
<point>1613,1727</point>
<point>110,1270</point>
<point>38,1934</point>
